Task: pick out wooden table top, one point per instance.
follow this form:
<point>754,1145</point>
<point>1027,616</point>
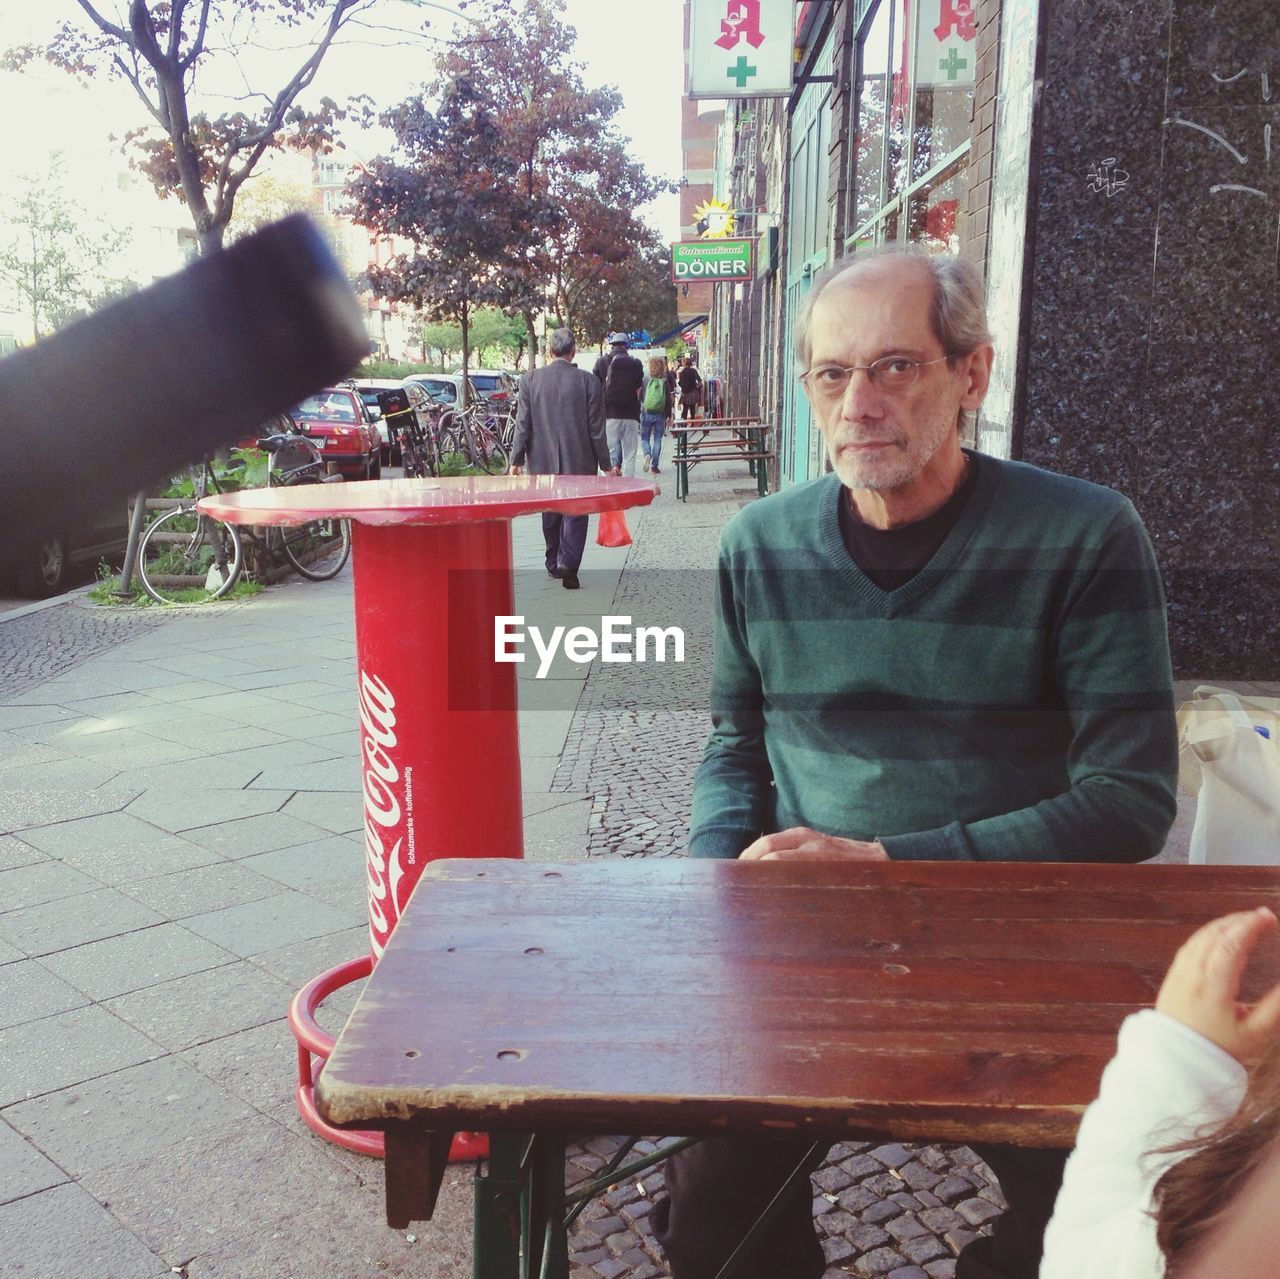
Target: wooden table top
<point>919,1000</point>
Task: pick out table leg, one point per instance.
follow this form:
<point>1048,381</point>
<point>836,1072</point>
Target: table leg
<point>433,703</point>
<point>546,1243</point>
<point>499,1198</point>
<point>414,1169</point>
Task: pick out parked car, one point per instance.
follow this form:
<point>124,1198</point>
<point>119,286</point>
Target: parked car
<point>40,564</point>
<point>496,385</point>
<point>445,388</point>
<point>368,389</point>
<point>343,430</point>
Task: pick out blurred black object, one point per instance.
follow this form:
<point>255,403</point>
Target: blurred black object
<point>393,401</point>
<point>165,376</point>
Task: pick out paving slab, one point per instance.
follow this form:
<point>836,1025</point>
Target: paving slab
<point>56,1052</point>
<point>65,1231</point>
<point>30,991</point>
<point>257,1065</point>
<point>335,859</point>
<point>57,925</point>
<point>126,1116</point>
<point>333,775</point>
<point>207,888</point>
<point>68,774</point>
<point>24,1170</point>
<point>15,852</point>
<point>189,809</point>
<point>269,922</point>
<point>221,1188</point>
<point>337,811</point>
<point>21,809</point>
<point>264,833</point>
<point>136,960</point>
<point>190,1010</point>
<point>116,848</point>
<point>43,881</point>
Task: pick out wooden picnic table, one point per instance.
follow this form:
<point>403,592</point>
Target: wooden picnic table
<point>722,439</point>
<point>909,1000</point>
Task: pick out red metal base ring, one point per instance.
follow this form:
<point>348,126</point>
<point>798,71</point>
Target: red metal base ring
<point>312,1040</point>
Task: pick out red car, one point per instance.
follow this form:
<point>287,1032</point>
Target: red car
<point>343,430</point>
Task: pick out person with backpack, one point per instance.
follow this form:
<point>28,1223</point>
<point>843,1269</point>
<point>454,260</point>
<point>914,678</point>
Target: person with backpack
<point>655,412</point>
<point>622,375</point>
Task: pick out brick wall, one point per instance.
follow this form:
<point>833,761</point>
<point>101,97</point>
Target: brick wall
<point>982,135</point>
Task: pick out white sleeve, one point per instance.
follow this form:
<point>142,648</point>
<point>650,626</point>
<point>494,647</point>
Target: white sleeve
<point>1165,1083</point>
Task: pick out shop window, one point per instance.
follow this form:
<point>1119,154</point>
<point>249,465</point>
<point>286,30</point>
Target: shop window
<point>912,110</point>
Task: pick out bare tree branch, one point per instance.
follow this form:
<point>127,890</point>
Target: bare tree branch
<point>197,47</point>
<point>107,28</point>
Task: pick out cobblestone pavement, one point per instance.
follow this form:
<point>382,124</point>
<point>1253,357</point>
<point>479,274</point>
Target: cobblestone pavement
<point>46,643</point>
<point>635,742</point>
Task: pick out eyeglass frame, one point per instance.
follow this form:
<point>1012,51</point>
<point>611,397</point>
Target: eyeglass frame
<point>851,369</point>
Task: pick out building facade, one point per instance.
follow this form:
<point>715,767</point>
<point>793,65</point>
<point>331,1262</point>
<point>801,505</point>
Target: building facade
<point>1108,167</point>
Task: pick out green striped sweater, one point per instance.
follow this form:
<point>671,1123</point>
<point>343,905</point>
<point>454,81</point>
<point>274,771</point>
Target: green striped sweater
<point>1012,702</point>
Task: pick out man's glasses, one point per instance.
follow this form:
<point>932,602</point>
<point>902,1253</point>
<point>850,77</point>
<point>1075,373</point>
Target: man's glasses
<point>892,373</point>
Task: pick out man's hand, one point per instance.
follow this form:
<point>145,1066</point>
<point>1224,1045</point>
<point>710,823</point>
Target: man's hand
<point>515,469</point>
<point>1203,982</point>
<point>800,844</point>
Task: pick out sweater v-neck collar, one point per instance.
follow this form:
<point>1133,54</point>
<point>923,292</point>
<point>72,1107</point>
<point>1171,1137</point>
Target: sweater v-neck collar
<point>889,603</point>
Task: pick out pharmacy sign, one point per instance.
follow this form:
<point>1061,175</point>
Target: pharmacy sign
<point>741,48</point>
<point>699,261</point>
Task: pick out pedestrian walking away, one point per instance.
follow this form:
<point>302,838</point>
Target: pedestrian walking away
<point>690,382</point>
<point>621,375</point>
<point>973,666</point>
<point>560,431</point>
<point>655,412</point>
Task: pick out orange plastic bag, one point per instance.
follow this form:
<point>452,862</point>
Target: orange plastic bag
<point>611,529</point>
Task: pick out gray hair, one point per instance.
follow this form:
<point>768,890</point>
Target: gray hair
<point>563,343</point>
<point>959,313</point>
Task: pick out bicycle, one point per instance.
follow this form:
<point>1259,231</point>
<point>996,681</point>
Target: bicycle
<point>187,557</point>
<point>478,435</point>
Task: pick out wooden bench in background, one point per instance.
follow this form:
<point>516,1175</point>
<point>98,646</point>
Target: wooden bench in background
<point>722,439</point>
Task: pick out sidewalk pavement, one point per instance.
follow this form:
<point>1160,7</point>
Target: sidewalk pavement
<point>180,851</point>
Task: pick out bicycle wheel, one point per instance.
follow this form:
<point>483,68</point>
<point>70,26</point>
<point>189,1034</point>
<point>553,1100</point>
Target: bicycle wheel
<point>189,558</point>
<point>317,550</point>
<point>490,456</point>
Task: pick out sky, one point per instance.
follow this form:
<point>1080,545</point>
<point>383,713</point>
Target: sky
<point>642,59</point>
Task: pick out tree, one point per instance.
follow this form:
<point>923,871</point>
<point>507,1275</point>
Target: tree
<point>161,47</point>
<point>567,151</point>
<point>641,297</point>
<point>448,190</point>
<point>48,259</point>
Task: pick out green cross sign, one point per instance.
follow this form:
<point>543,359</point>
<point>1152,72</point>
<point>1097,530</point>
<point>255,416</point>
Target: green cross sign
<point>953,64</point>
<point>742,70</point>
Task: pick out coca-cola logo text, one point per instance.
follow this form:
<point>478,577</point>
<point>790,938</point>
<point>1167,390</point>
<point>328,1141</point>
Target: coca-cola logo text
<point>383,807</point>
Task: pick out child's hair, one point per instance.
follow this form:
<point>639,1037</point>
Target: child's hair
<point>657,366</point>
<point>1191,1196</point>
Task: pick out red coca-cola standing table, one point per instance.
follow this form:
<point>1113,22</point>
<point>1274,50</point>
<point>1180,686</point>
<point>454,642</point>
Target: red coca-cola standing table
<point>440,760</point>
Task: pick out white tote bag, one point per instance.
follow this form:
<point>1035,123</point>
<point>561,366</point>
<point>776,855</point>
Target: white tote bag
<point>1230,747</point>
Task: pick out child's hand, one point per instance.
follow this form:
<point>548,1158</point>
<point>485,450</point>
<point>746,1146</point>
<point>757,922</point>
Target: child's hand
<point>1202,984</point>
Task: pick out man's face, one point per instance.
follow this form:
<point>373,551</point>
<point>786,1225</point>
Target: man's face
<point>879,438</point>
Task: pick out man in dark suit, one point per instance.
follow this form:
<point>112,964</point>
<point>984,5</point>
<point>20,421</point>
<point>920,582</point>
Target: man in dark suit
<point>560,431</point>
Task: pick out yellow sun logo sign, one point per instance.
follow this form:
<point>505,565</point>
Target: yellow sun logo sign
<point>714,220</point>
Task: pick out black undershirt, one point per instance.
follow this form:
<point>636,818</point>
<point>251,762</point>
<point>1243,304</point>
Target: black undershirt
<point>891,557</point>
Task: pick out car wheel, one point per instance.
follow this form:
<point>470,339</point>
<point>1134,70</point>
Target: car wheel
<point>45,571</point>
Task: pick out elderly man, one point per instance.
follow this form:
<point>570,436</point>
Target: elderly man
<point>560,431</point>
<point>926,654</point>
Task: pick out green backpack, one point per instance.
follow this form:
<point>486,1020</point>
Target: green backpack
<point>655,396</point>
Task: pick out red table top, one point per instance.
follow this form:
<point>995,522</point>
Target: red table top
<point>456,500</point>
